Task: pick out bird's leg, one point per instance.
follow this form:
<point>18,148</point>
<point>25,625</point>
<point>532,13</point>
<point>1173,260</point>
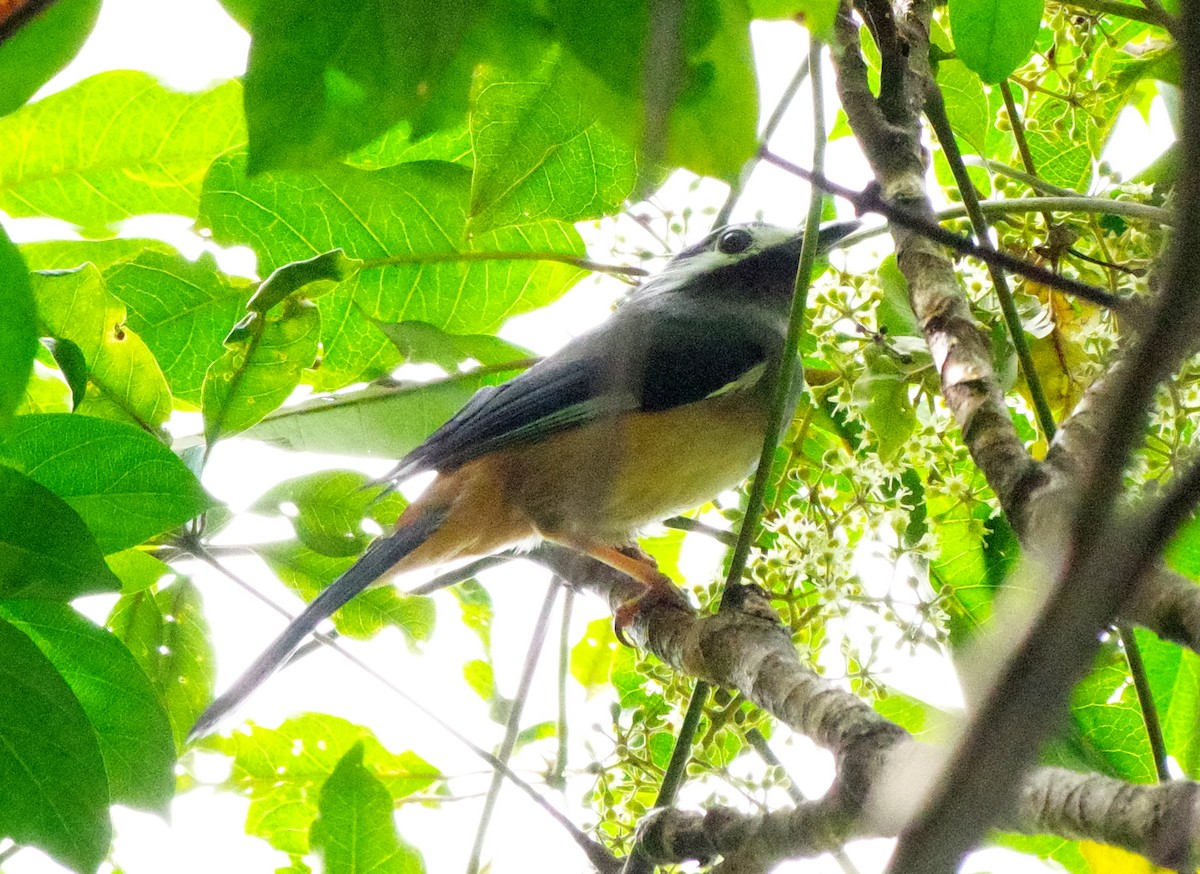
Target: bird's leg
<point>641,568</point>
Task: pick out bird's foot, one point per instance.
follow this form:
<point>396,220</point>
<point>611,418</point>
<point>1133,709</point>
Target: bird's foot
<point>660,589</point>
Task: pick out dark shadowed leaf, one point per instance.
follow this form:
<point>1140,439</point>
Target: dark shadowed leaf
<point>324,78</point>
<point>53,787</point>
<point>125,485</point>
<point>18,328</point>
<point>42,47</point>
<point>46,551</point>
<point>123,708</point>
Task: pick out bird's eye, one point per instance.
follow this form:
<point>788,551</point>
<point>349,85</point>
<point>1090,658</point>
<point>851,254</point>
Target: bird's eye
<point>735,240</point>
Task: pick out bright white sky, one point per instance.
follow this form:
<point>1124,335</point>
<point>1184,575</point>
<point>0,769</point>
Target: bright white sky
<point>190,43</point>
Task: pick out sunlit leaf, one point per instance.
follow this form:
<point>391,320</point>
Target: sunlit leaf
<point>281,770</point>
<point>116,145</point>
<point>256,374</point>
<point>994,37</point>
<point>182,310</point>
<point>539,152</point>
<point>125,382</point>
<point>167,634</point>
<point>125,485</point>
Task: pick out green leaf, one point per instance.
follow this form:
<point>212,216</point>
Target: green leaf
<point>327,509</point>
<point>1183,554</point>
<point>72,365</point>
<point>125,485</point>
<point>281,769</point>
<point>137,570</point>
<point>818,15</point>
<point>353,347</point>
<point>121,705</point>
<point>354,832</point>
<point>307,572</point>
<point>66,254</point>
<point>960,570</point>
<point>45,549</point>
<point>881,394</point>
<point>420,342</point>
<point>1174,675</point>
<point>126,381</point>
<point>478,612</point>
<point>324,79</point>
<point>397,146</point>
<point>593,658</point>
<point>18,327</point>
<point>994,37</point>
<point>481,677</point>
<point>257,374</point>
<point>53,787</point>
<point>1108,718</point>
<point>702,111</point>
<point>167,634</point>
<point>539,151</point>
<point>116,145</point>
<point>42,47</point>
<point>385,421</point>
<point>895,313</point>
<point>182,310</point>
<point>971,111</point>
<point>413,215</point>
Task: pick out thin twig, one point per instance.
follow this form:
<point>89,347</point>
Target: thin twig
<point>869,200</point>
<point>1145,695</point>
<point>537,640</point>
<point>686,523</point>
<point>781,108</point>
<point>564,668</point>
<point>1126,10</point>
<point>797,325</point>
<point>452,257</point>
<point>935,111</point>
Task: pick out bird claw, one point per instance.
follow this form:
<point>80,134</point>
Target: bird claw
<point>659,589</point>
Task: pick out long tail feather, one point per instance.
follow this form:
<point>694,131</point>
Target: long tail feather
<point>380,557</point>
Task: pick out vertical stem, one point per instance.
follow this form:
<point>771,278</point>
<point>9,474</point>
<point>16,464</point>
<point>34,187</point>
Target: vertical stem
<point>536,642</point>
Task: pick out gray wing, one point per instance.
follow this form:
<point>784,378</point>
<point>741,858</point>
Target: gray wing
<point>649,363</point>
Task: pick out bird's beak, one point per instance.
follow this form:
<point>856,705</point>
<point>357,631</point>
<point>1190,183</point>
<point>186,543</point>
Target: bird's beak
<point>829,234</point>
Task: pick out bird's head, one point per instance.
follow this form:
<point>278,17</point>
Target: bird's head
<point>750,262</point>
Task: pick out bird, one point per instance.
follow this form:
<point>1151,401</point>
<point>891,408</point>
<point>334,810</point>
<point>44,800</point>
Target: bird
<point>656,411</point>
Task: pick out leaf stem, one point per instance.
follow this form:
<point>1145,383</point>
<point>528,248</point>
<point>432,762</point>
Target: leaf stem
<point>1141,685</point>
<point>452,257</point>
